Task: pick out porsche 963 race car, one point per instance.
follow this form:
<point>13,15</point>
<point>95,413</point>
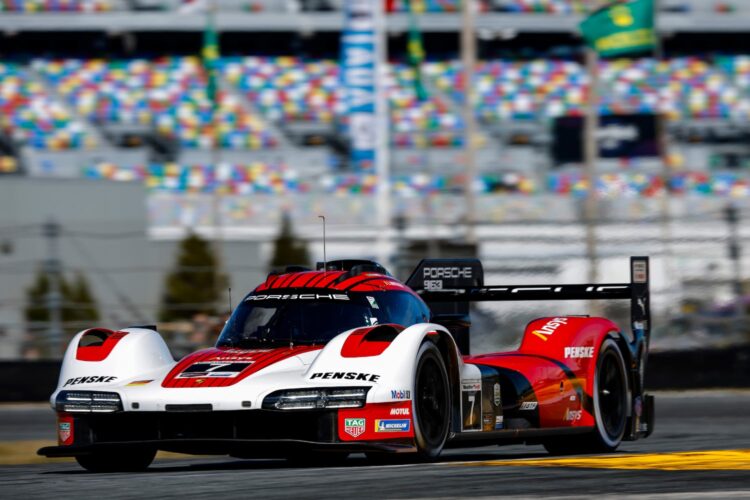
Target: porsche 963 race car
<point>320,364</point>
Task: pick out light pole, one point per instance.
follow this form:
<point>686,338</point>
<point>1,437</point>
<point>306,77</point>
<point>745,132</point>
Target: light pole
<point>468,62</point>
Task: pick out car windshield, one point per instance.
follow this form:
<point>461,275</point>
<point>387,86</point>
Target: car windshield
<point>312,318</point>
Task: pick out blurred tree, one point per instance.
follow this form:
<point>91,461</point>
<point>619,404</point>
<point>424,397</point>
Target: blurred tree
<point>78,307</point>
<point>288,249</point>
<point>83,305</point>
<point>36,305</point>
<point>195,284</point>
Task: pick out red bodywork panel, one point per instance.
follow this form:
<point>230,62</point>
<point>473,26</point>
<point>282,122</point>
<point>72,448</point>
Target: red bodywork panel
<point>358,345</point>
<point>557,393</point>
<point>574,342</point>
<point>98,352</point>
<point>333,280</point>
<point>558,358</point>
<point>222,367</point>
<point>377,422</point>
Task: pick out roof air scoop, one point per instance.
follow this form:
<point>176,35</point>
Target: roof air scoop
<point>353,266</point>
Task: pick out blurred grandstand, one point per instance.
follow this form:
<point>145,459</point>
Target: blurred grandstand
<point>111,96</point>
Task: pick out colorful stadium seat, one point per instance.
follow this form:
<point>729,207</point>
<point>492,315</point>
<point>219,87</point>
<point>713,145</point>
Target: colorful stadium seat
<point>30,115</point>
<point>279,178</point>
<point>166,94</point>
<point>30,6</point>
<point>684,87</point>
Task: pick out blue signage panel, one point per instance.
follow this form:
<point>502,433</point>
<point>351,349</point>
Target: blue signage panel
<point>359,68</point>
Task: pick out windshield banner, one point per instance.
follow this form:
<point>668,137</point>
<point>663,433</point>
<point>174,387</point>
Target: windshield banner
<point>299,296</point>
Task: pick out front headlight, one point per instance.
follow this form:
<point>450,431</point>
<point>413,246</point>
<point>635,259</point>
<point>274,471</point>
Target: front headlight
<point>316,399</point>
<point>88,402</point>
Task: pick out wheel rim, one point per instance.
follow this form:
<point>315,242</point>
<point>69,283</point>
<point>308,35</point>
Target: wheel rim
<point>611,392</point>
<point>431,401</point>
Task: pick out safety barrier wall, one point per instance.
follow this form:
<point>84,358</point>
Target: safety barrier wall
<point>28,380</point>
<point>695,369</point>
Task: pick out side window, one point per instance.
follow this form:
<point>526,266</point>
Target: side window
<point>425,315</point>
<point>402,308</point>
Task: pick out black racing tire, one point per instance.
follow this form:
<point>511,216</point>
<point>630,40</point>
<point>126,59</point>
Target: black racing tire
<point>610,405</point>
<point>431,406</point>
<point>135,460</point>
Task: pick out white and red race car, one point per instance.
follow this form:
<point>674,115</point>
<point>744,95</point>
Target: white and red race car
<point>320,364</point>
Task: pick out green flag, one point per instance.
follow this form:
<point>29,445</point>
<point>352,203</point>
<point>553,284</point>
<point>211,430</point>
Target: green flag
<point>621,28</point>
<point>211,57</point>
<point>415,51</point>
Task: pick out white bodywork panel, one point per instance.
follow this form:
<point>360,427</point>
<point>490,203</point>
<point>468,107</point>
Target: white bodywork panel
<point>142,355</point>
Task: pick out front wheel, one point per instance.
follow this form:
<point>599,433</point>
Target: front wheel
<point>610,407</point>
<point>136,460</point>
<point>431,404</point>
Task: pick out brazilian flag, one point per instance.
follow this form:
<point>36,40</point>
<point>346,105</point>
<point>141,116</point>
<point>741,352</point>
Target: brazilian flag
<point>415,51</point>
<point>621,28</point>
<point>211,57</point>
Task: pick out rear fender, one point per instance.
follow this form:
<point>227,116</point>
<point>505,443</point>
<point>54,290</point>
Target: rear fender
<point>573,341</point>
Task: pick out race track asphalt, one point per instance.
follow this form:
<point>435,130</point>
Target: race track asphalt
<point>714,426</point>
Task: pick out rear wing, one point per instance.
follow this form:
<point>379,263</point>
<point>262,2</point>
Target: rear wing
<point>449,285</point>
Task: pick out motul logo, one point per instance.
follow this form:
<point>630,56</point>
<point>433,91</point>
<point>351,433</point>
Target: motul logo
<point>549,328</point>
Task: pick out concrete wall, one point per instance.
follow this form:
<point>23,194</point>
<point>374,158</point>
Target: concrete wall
<point>105,237</point>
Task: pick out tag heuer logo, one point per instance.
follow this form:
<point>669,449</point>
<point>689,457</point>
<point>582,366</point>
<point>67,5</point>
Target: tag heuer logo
<point>354,426</point>
<point>64,431</point>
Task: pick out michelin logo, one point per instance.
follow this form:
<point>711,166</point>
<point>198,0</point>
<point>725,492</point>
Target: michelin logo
<point>401,425</point>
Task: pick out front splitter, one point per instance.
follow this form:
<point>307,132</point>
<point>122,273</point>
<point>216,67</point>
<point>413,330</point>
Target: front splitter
<point>246,448</point>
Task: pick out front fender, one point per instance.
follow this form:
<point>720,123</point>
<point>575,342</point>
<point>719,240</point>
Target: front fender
<point>391,372</point>
<point>122,357</point>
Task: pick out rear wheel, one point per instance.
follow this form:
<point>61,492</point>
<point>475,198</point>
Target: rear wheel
<point>117,461</point>
<point>610,407</point>
<point>431,404</point>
